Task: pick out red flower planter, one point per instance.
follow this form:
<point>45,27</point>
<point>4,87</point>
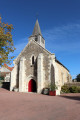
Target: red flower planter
<point>52,93</point>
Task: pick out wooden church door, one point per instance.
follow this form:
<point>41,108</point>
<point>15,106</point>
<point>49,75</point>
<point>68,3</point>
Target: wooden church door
<point>32,86</point>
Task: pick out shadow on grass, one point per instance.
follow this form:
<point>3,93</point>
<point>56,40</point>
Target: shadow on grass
<point>72,97</point>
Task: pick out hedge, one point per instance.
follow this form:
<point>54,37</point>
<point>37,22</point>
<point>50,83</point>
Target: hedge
<point>70,89</point>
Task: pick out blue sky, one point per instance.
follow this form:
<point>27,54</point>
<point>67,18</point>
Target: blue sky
<point>60,25</point>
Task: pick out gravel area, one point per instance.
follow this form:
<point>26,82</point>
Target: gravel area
<point>32,106</point>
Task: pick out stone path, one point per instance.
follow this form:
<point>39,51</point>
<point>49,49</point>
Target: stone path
<point>29,106</point>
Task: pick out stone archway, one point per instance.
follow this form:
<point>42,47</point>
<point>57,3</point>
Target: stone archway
<point>32,86</point>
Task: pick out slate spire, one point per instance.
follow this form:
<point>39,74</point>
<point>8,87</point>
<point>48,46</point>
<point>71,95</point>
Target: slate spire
<point>36,30</point>
<point>37,36</point>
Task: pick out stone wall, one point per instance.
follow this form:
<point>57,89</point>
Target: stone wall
<point>31,50</point>
<point>73,84</point>
<point>44,69</point>
<point>14,73</point>
<point>64,75</point>
<point>35,50</point>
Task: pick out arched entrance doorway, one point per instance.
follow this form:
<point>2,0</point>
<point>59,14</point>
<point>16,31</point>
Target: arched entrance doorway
<point>32,86</point>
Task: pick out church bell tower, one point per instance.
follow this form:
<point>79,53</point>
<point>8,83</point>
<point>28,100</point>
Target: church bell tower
<point>37,36</point>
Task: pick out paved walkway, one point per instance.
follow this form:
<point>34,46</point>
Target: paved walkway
<point>26,106</point>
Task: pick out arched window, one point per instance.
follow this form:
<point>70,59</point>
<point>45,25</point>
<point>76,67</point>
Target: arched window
<point>32,60</point>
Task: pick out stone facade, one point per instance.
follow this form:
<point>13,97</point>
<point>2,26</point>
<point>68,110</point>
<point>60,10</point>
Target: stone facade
<point>36,64</point>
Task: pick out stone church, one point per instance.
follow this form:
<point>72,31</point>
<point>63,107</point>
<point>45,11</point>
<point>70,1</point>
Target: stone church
<point>35,67</point>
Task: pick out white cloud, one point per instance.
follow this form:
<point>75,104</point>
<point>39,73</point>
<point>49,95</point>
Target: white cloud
<point>64,38</point>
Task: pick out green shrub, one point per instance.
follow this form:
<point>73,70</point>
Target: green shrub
<point>78,87</point>
<point>70,89</point>
<point>1,78</point>
<point>65,89</point>
<point>52,87</point>
<point>73,89</point>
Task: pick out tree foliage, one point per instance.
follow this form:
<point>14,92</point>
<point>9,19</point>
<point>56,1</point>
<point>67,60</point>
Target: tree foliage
<point>78,78</point>
<point>6,42</point>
